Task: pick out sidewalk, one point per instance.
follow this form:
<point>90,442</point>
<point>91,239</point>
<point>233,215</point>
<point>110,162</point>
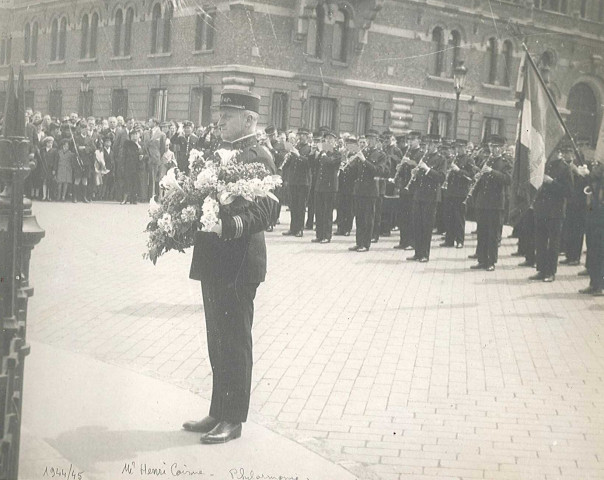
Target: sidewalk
<point>105,422</point>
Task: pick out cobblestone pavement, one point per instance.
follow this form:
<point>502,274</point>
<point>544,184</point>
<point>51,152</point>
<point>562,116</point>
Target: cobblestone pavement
<point>394,369</point>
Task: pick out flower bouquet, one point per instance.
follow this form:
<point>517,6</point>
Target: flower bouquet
<point>193,201</point>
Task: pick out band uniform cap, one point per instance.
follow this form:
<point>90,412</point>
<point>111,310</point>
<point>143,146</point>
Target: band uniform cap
<point>414,134</point>
<point>372,133</point>
<point>351,139</point>
<point>387,133</point>
<point>270,130</point>
<point>496,140</point>
<point>330,133</point>
<point>303,131</point>
<point>240,100</point>
<point>317,134</point>
<point>362,137</point>
<point>460,142</point>
<point>165,124</point>
<point>47,139</point>
<point>188,123</point>
<point>565,146</point>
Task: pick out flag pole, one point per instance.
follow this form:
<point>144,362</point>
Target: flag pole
<point>552,102</point>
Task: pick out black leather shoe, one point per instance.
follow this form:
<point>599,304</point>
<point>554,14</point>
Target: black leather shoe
<point>597,293</point>
<point>478,266</point>
<point>413,258</point>
<point>583,273</point>
<point>490,268</point>
<point>549,278</point>
<point>537,276</point>
<point>325,240</point>
<point>517,254</point>
<point>223,432</point>
<point>315,240</point>
<point>201,426</point>
<point>459,245</point>
<point>299,234</point>
<point>362,249</point>
<point>423,260</point>
<point>409,247</point>
<point>374,240</point>
<point>347,234</point>
<point>398,247</point>
<point>289,233</point>
<point>269,229</point>
<point>445,244</point>
<point>354,248</point>
<point>473,256</point>
<point>587,291</point>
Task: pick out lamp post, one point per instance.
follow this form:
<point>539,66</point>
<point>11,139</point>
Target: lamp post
<point>471,110</point>
<point>459,80</point>
<point>303,91</point>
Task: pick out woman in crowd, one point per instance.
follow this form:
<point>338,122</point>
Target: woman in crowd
<point>64,170</point>
<point>133,164</point>
<point>47,167</point>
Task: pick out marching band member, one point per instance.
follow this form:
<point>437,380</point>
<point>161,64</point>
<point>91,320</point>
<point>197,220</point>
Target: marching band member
<point>298,166</point>
<point>401,179</point>
<point>346,188</point>
<point>394,157</point>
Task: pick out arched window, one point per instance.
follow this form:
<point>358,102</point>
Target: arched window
<point>33,49</point>
<point>204,31</point>
<point>117,35</point>
<point>94,31</point>
<point>506,72</point>
<point>454,45</point>
<point>341,29</point>
<point>156,28</point>
<point>54,39</point>
<point>62,39</point>
<point>438,42</point>
<point>128,31</point>
<point>492,60</point>
<point>26,42</point>
<point>168,14</point>
<point>84,42</point>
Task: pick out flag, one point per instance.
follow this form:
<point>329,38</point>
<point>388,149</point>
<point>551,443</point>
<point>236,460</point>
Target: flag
<point>540,130</point>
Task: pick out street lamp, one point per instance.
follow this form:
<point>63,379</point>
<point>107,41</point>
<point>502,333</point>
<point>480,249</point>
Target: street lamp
<point>303,91</point>
<point>459,80</point>
<point>471,110</point>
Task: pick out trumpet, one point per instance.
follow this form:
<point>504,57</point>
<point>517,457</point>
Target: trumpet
<point>477,178</point>
<point>415,171</point>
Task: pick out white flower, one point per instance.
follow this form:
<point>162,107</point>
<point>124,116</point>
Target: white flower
<point>165,224</point>
<point>207,178</point>
<point>169,181</point>
<point>195,156</point>
<point>153,207</point>
<point>209,216</point>
<point>189,214</point>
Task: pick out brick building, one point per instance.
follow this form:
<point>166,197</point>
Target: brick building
<point>350,64</point>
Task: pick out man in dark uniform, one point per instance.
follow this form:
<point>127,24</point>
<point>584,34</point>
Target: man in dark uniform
<point>550,209</point>
<point>345,189</point>
<point>594,232</point>
<point>368,168</point>
<point>230,262</point>
<point>393,157</point>
<point>489,196</point>
<point>458,182</point>
<point>401,179</point>
<point>298,168</point>
<point>426,189</point>
<point>186,143</point>
<point>326,188</point>
<point>315,148</point>
<point>381,178</point>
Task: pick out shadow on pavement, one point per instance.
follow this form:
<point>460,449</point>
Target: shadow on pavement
<point>87,446</point>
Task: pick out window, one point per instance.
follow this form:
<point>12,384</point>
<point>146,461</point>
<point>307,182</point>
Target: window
<point>62,39</point>
<point>117,34</point>
<point>119,102</point>
<point>128,31</point>
<point>491,126</point>
<point>5,51</point>
<point>33,49</point>
<point>322,113</point>
<point>438,123</point>
<point>341,33</point>
<point>363,120</point>
<point>200,109</point>
<point>204,31</point>
<point>279,110</point>
<point>454,46</point>
<point>506,71</point>
<point>90,28</point>
<point>55,103</point>
<point>439,47</point>
<point>316,33</point>
<point>492,60</point>
<point>84,43</point>
<point>85,104</point>
<point>26,42</point>
<point>161,28</point>
<point>54,39</point>
<point>158,104</point>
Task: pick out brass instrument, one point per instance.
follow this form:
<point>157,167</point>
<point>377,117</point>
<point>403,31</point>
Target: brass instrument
<point>415,171</point>
<point>477,178</point>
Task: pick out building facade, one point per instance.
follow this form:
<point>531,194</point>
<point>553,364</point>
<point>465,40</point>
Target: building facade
<point>350,64</point>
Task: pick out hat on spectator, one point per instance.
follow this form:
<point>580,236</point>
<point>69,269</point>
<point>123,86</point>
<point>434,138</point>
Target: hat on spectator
<point>47,139</point>
<point>351,139</point>
<point>188,123</point>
